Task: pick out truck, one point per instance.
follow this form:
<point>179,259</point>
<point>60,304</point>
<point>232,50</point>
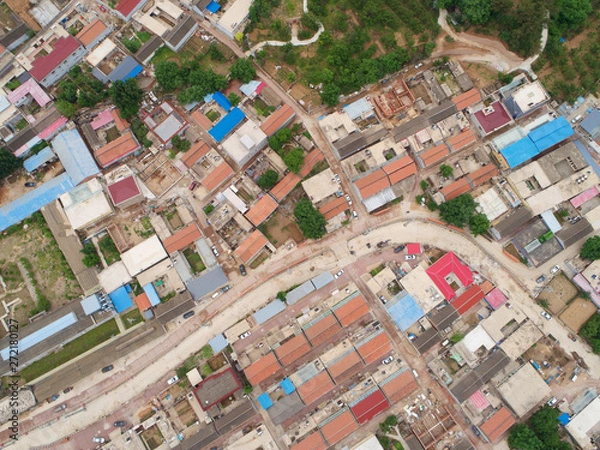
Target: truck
<point>535,365</point>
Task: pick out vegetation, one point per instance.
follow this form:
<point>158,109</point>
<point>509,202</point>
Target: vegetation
<point>234,99</point>
<point>42,304</point>
<point>168,75</point>
<point>132,44</point>
<point>310,221</point>
<point>79,89</point>
<point>132,318</point>
<point>181,145</point>
<point>458,211</point>
<point>479,224</point>
<point>109,250</point>
<point>446,170</point>
<point>294,159</point>
<point>539,433</point>
<point>126,95</point>
<point>279,139</point>
<point>243,70</point>
<point>424,185</point>
<point>591,248</point>
<point>389,422</point>
<point>215,54</point>
<point>141,131</point>
<point>456,337</point>
<point>9,163</point>
<point>91,257</point>
<point>591,332</point>
<point>208,209</point>
<point>268,179</point>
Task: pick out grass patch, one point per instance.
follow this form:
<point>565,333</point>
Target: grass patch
<point>132,318</point>
<point>11,276</point>
<point>112,134</point>
<point>377,270</point>
<point>143,36</point>
<point>21,124</point>
<point>194,260</point>
<point>212,115</point>
<point>163,54</point>
<point>109,250</point>
<point>71,350</point>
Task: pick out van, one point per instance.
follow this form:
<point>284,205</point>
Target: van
<point>215,295</point>
<point>574,377</point>
<point>415,373</point>
<point>576,119</point>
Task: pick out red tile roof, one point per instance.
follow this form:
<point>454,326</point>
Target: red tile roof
<point>339,428</point>
<point>322,330</point>
<point>351,311</point>
<point>456,188</point>
<point>400,386</point>
<point>117,149</point>
<point>91,31</point>
<point>123,190</point>
<point>483,175</point>
<point>292,350</point>
<point>285,186</point>
<point>262,369</point>
<point>278,119</point>
<point>376,348</point>
<point>345,367</point>
<point>401,169</point>
<point>143,302</point>
<point>182,239</point>
<point>192,156</point>
<point>309,162</point>
<point>369,407</point>
<point>315,388</point>
<point>43,65</point>
<point>434,154</point>
<point>468,299</point>
<point>498,424</point>
<point>492,117</point>
<point>314,441</point>
<point>372,184</point>
<point>447,264</point>
<point>467,99</point>
<point>462,140</point>
<point>261,210</point>
<point>218,176</point>
<point>333,208</point>
<point>119,121</point>
<point>126,6</point>
<point>202,120</point>
<point>486,286</point>
<point>250,247</point>
<point>413,249</point>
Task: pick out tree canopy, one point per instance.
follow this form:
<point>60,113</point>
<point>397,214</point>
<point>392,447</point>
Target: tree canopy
<point>479,224</point>
<point>168,75</point>
<point>66,108</point>
<point>294,159</point>
<point>243,70</point>
<point>268,179</point>
<point>9,163</point>
<point>126,95</point>
<point>539,433</point>
<point>591,332</point>
<point>458,211</point>
<point>591,248</point>
<point>91,257</point>
<point>310,221</point>
<point>523,438</point>
<point>446,170</point>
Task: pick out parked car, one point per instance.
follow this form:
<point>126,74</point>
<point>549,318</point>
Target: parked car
<point>246,334</point>
<point>412,337</point>
<point>348,199</point>
<point>120,423</point>
<point>355,215</point>
<point>475,430</point>
<point>339,274</point>
<point>188,314</point>
<point>339,403</point>
<point>410,257</point>
<point>225,288</point>
<point>214,250</point>
<point>107,368</point>
<point>546,315</point>
<point>102,8</point>
<point>171,381</point>
<point>552,401</point>
<point>67,390</point>
<point>541,279</point>
<point>399,248</point>
<point>98,440</point>
<point>243,270</point>
<point>387,360</point>
<point>193,186</point>
<point>61,408</point>
<point>53,398</point>
<point>337,179</point>
<point>554,269</point>
<point>259,431</point>
<point>375,324</point>
<point>382,299</point>
<point>30,184</point>
<point>338,194</point>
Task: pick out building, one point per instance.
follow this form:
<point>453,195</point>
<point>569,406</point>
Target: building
<point>262,369</point>
<point>394,99</point>
<point>467,99</point>
<point>48,69</point>
<point>181,33</point>
<point>15,37</point>
<point>497,424</point>
<point>591,124</point>
<point>525,99</point>
<point>524,390</point>
<point>147,51</point>
<point>217,388</point>
<point>278,119</point>
<point>86,204</point>
<point>74,156</point>
<point>123,188</point>
<point>114,151</point>
<point>182,238</point>
<point>491,118</point>
<point>126,8</point>
<point>143,255</point>
<point>245,142</point>
<point>93,33</point>
<point>234,17</point>
<point>110,63</point>
<point>261,210</point>
<point>285,186</point>
<point>584,427</point>
<point>447,267</point>
<point>252,246</point>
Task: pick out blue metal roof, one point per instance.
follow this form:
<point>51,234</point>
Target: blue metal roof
<point>519,152</point>
<point>129,68</point>
<point>36,161</point>
<point>33,200</point>
<point>404,311</point>
<point>150,291</point>
<point>358,108</point>
<point>300,292</point>
<point>222,101</point>
<point>75,156</point>
<point>268,311</point>
<point>218,343</point>
<point>227,124</point>
<point>209,281</point>
<point>288,386</point>
<point>564,419</point>
<point>322,280</point>
<point>121,299</point>
<point>586,155</point>
<point>213,7</point>
<point>91,304</point>
<point>551,133</point>
<point>591,124</point>
<point>265,401</point>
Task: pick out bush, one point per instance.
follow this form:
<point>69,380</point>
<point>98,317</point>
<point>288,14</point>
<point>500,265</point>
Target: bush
<point>133,44</point>
<point>181,145</point>
<point>91,257</point>
<point>294,159</point>
<point>9,163</point>
<point>268,179</point>
<point>310,221</point>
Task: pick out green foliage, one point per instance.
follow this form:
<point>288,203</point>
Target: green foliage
<point>281,295</point>
<point>208,209</point>
<point>215,54</point>
<point>168,75</point>
<point>181,145</point>
<point>424,185</point>
<point>476,11</point>
<point>523,438</point>
<point>309,21</point>
<point>109,249</point>
<point>280,138</point>
<point>201,82</point>
<point>247,389</point>
<point>91,257</point>
<point>268,179</point>
<point>140,131</point>
<point>67,91</point>
<point>294,159</point>
<point>540,432</point>
<point>446,170</point>
<point>591,248</point>
<point>143,36</point>
<point>234,99</point>
<point>133,44</point>
<point>126,95</point>
<point>38,147</point>
<point>243,70</point>
<point>207,352</point>
<point>479,224</point>
<point>310,221</point>
<point>458,211</point>
<point>505,78</point>
<point>591,332</point>
<point>66,108</point>
<point>331,94</point>
<point>9,163</point>
<point>456,337</point>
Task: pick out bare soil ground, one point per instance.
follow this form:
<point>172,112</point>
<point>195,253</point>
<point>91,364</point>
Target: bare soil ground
<point>577,313</point>
<point>15,187</point>
<point>185,413</point>
<point>22,9</point>
<point>6,18</point>
<point>281,228</point>
<point>542,351</point>
<point>558,292</point>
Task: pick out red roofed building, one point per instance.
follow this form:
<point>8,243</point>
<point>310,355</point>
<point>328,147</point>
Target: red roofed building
<point>315,388</point>
<point>125,193</point>
<point>48,69</point>
<point>182,239</point>
<point>483,175</point>
<point>468,299</point>
<point>118,149</point>
<point>262,369</point>
<point>292,350</point>
<point>91,34</point>
<point>202,120</point>
<point>372,184</point>
<point>338,427</point>
<point>344,366</point>
<point>375,403</point>
<point>285,186</point>
<point>443,267</point>
<point>491,118</point>
<point>333,208</point>
<point>462,140</point>
<point>310,161</point>
<point>142,302</point>
<point>251,247</point>
<point>399,385</point>
<point>126,8</point>
<point>314,441</point>
<point>351,310</point>
<point>400,170</point>
<point>374,347</point>
<point>277,120</point>
<point>261,210</point>
<point>193,155</point>
<point>322,329</point>
<point>495,298</point>
<point>467,99</point>
<point>498,424</point>
<point>414,249</point>
<point>217,177</point>
<point>433,155</point>
<point>455,189</point>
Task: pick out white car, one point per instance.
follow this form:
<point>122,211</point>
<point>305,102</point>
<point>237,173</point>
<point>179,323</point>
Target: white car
<point>552,401</point>
<point>410,257</point>
<point>387,360</point>
<point>339,274</point>
<point>348,199</point>
<point>355,215</point>
<point>545,315</point>
<point>554,269</point>
<point>214,250</point>
<point>98,440</point>
<point>245,335</point>
<point>173,380</point>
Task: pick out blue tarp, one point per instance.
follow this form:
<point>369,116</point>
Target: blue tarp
<point>265,401</point>
<point>268,311</point>
<point>404,311</point>
<point>564,419</point>
<point>152,294</point>
<point>129,68</point>
<point>519,152</point>
<point>213,7</point>
<point>33,200</point>
<point>222,101</point>
<point>121,299</point>
<point>36,161</point>
<point>75,156</point>
<point>218,343</point>
<point>551,133</point>
<point>288,386</point>
<point>227,124</point>
<point>134,72</point>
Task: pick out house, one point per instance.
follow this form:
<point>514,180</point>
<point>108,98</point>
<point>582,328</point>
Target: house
<point>48,69</point>
<point>93,33</point>
<point>147,51</point>
<point>181,33</point>
<point>127,8</point>
<point>279,119</point>
<point>15,37</point>
<point>110,63</point>
<point>234,17</point>
<point>118,149</point>
<point>123,188</point>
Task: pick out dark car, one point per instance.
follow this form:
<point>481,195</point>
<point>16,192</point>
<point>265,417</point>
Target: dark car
<point>541,279</point>
<point>120,423</point>
<point>107,368</point>
<point>399,248</point>
<point>475,430</point>
<point>188,314</point>
<point>69,389</point>
<point>30,184</point>
<point>243,270</point>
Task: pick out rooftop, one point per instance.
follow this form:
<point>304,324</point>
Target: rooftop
<point>125,7</point>
<point>315,388</point>
<point>262,369</point>
<point>321,329</point>
<point>400,170</point>
<point>443,267</point>
<point>524,390</point>
<point>468,299</point>
<point>278,119</point>
<point>91,31</point>
<point>144,255</point>
<point>467,99</point>
<point>492,117</point>
<point>462,140</point>
<point>333,208</point>
<point>115,150</point>
<point>218,176</point>
<point>351,309</point>
<point>285,186</point>
<point>399,385</point>
<point>498,424</point>
<point>251,246</point>
<point>314,441</point>
<point>367,408</point>
<point>85,204</point>
<point>456,188</point>
<point>262,210</point>
<point>434,154</point>
<point>372,184</point>
<point>194,154</point>
<point>123,190</point>
<point>74,156</point>
<point>182,238</point>
<point>375,347</point>
<point>339,426</point>
<point>291,351</point>
<point>43,65</point>
<point>217,388</point>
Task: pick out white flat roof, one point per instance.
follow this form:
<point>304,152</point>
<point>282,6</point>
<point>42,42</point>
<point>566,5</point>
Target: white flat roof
<point>169,8</point>
<point>236,13</point>
<point>529,96</point>
<point>524,390</point>
<point>583,422</point>
<point>491,204</point>
<point>144,255</point>
<point>320,186</point>
<point>85,204</point>
<point>114,276</point>
<point>245,140</point>
<point>101,52</point>
<point>593,217</point>
<point>478,338</point>
<point>156,26</point>
<point>418,284</point>
<point>337,125</point>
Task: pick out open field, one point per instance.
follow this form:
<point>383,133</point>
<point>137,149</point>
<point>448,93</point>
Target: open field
<point>279,229</point>
<point>558,292</point>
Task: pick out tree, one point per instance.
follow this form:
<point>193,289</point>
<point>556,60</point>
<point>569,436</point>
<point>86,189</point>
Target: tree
<point>446,170</point>
<point>8,163</point>
<point>591,248</point>
<point>310,221</point>
<point>243,70</point>
<point>331,94</point>
<point>479,224</point>
<point>294,159</point>
<point>126,95</point>
<point>68,92</point>
<point>234,99</point>
<point>458,211</point>
<point>139,129</point>
<point>182,145</point>
<point>544,424</point>
<point>168,75</point>
<point>91,257</point>
<point>215,54</point>
<point>268,179</point>
<point>66,108</point>
<point>424,185</point>
<point>476,11</point>
<point>523,438</point>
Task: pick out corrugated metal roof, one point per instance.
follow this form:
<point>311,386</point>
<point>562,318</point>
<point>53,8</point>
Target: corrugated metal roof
<point>268,311</point>
<point>35,161</point>
<point>404,310</point>
<point>74,155</point>
<point>299,293</point>
<point>227,124</point>
<point>322,280</point>
<point>206,283</point>
<point>358,108</point>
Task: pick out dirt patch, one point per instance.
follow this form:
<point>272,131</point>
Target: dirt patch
<point>544,351</point>
<point>280,228</point>
<point>558,292</point>
<point>186,413</point>
<point>153,437</point>
<point>482,75</point>
<point>22,9</point>
<point>15,188</point>
<point>577,313</point>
